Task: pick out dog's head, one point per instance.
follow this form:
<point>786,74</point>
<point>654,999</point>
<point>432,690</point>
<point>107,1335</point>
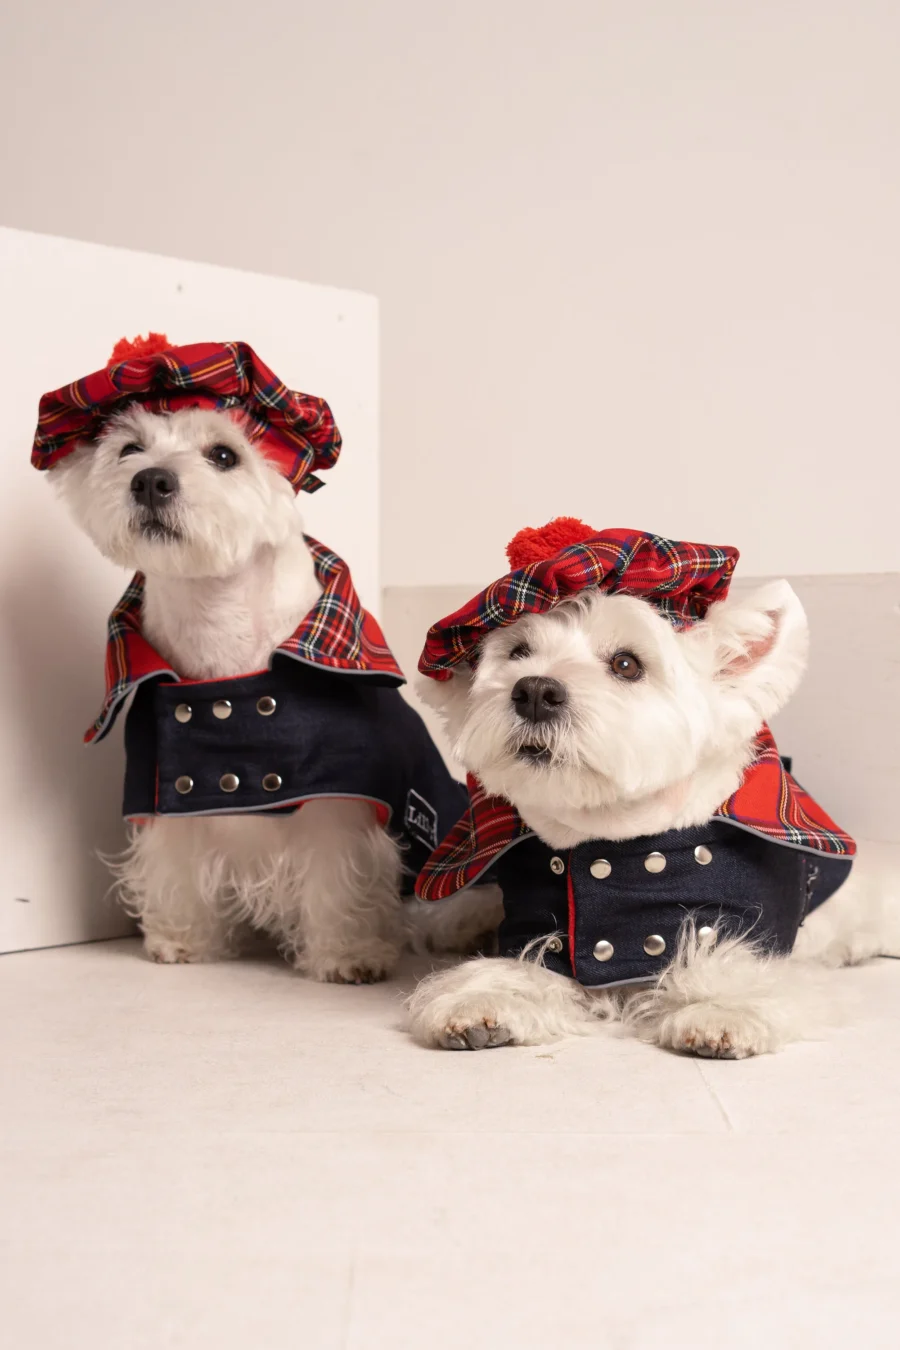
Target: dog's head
<point>182,494</point>
<point>600,711</point>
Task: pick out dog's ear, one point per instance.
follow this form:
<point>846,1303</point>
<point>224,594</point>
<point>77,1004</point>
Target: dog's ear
<point>759,643</point>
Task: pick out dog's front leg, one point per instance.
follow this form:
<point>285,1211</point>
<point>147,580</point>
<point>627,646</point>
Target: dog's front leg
<point>495,1001</point>
<point>727,999</point>
<point>169,881</point>
<point>348,924</point>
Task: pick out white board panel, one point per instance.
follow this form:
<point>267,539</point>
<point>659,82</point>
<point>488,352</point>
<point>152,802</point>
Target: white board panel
<point>64,304</point>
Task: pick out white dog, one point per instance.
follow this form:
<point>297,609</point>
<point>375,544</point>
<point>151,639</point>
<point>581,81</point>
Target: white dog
<point>601,721</point>
<point>188,499</point>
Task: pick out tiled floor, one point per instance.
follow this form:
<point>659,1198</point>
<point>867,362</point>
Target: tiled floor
<point>230,1158</point>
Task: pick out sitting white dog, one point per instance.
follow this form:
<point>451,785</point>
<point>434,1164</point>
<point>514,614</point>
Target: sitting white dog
<point>610,707</point>
<point>182,462</point>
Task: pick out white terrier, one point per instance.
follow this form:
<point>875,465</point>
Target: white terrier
<point>219,760</point>
<point>603,741</point>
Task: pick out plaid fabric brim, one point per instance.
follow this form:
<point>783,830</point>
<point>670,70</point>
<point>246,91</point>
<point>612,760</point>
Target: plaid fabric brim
<point>296,431</point>
<point>682,580</point>
<point>769,802</point>
<point>337,635</point>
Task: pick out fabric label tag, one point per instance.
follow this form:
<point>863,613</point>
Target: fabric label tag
<point>421,819</point>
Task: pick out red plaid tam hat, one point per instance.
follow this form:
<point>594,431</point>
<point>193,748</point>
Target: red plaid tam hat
<point>296,431</point>
<point>567,557</point>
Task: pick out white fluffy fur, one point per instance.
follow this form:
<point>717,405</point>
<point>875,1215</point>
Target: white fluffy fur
<point>631,759</point>
<point>229,577</point>
<point>497,1001</point>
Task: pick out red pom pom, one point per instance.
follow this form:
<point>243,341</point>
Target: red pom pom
<point>531,546</point>
<point>139,346</point>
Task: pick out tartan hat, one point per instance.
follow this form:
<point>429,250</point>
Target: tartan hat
<point>295,431</point>
<point>566,557</point>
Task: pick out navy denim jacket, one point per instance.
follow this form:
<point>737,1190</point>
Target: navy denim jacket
<point>271,741</point>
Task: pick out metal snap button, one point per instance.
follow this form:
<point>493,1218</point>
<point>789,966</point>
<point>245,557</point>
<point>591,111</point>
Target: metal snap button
<point>603,951</point>
<point>265,706</point>
<point>654,945</point>
<point>221,709</point>
<point>706,933</point>
<point>184,712</point>
<point>183,784</point>
<point>557,866</point>
<point>229,782</point>
<point>655,862</point>
<point>554,944</point>
<point>702,855</point>
<point>600,869</point>
<point>272,782</point>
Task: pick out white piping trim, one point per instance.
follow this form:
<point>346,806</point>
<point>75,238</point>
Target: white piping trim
<point>273,808</point>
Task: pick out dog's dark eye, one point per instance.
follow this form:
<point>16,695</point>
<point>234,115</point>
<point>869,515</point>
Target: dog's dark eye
<point>519,650</point>
<point>223,457</point>
<point>626,666</point>
<point>132,448</point>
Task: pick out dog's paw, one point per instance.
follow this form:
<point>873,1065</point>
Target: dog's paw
<point>369,964</point>
<point>714,1033</point>
<point>179,952</point>
<point>354,972</point>
<point>476,1021</point>
<point>467,1035</point>
<point>497,1001</point>
<point>482,1019</point>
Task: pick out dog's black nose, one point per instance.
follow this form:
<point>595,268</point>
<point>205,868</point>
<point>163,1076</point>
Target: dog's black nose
<point>154,487</point>
<point>538,699</point>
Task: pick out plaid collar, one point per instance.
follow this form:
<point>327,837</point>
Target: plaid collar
<point>681,580</point>
<point>296,431</point>
<point>337,634</point>
<point>769,802</point>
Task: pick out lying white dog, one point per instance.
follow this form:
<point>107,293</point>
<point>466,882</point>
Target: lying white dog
<point>610,707</point>
<point>260,684</point>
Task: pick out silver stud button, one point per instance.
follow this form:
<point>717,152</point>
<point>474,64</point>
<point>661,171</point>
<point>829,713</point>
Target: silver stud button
<point>600,869</point>
<point>655,862</point>
<point>557,866</point>
<point>702,855</point>
<point>603,951</point>
<point>229,782</point>
<point>265,706</point>
<point>705,933</point>
<point>183,784</point>
<point>272,782</point>
<point>221,709</point>
<point>654,945</point>
<point>554,944</point>
<point>184,712</point>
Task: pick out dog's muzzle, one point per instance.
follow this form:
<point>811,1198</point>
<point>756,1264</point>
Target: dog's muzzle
<point>154,492</point>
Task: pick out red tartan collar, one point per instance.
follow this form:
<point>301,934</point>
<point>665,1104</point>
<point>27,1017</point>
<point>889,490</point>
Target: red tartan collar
<point>769,802</point>
<point>337,634</point>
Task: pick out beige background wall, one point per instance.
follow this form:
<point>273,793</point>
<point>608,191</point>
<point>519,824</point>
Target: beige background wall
<point>637,259</point>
